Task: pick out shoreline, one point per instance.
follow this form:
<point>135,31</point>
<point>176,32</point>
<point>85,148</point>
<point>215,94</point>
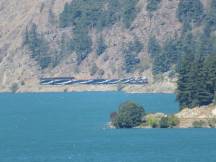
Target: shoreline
<point>198,117</point>
<point>161,87</point>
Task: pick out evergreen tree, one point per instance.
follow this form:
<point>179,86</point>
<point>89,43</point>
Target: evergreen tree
<point>210,68</point>
<point>65,16</point>
<point>81,44</point>
<point>154,47</point>
<point>101,46</point>
<point>38,46</point>
<point>210,21</point>
<point>196,81</point>
<point>153,5</point>
<point>185,85</point>
<point>190,11</point>
<point>202,94</point>
<point>129,11</point>
<point>131,58</point>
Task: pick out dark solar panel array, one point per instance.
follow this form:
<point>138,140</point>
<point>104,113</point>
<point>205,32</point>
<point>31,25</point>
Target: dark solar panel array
<point>70,81</point>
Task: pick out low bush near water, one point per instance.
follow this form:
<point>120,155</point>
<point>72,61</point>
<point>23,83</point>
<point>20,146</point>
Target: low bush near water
<point>129,115</point>
<point>199,124</point>
<point>169,122</point>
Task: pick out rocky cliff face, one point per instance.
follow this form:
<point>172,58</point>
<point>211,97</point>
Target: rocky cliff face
<point>19,70</point>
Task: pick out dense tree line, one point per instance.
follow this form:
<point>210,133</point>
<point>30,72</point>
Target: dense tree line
<point>84,15</point>
<point>190,13</point>
<point>197,80</point>
<point>38,46</point>
<point>131,52</point>
<point>153,5</point>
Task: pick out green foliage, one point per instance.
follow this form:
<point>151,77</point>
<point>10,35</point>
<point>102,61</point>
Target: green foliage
<point>129,115</point>
<point>93,69</point>
<point>190,12</point>
<point>131,55</point>
<point>101,46</point>
<point>98,13</point>
<point>185,89</point>
<point>38,46</point>
<point>153,5</point>
<point>164,123</point>
<point>81,44</point>
<point>154,48</point>
<point>14,87</point>
<point>169,122</point>
<point>65,46</point>
<point>210,21</point>
<point>173,50</point>
<point>212,122</point>
<point>129,11</point>
<point>85,15</point>
<point>199,124</point>
<point>167,57</point>
<point>197,81</point>
<point>153,122</point>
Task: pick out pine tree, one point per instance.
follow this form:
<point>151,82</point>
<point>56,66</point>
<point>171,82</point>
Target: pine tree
<point>190,11</point>
<point>210,68</point>
<point>185,85</point>
<point>65,16</point>
<point>203,96</point>
<point>210,21</point>
<point>38,47</point>
<point>154,48</point>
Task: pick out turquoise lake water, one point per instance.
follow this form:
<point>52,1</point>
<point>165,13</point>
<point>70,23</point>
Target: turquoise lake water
<point>70,127</point>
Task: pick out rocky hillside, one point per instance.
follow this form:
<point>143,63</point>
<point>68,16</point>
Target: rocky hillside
<point>198,117</point>
<point>102,39</point>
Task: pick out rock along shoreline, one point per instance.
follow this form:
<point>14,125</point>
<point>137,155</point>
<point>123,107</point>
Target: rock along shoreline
<point>199,117</point>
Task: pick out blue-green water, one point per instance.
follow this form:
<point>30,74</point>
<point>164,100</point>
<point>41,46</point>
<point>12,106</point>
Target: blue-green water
<point>71,128</point>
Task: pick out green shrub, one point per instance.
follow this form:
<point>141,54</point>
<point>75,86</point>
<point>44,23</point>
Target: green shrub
<point>38,46</point>
<point>153,122</point>
<point>81,44</point>
<point>93,69</point>
<point>22,83</point>
<point>120,87</point>
<point>92,13</point>
<point>153,5</point>
<point>169,122</point>
<point>129,115</point>
<point>14,87</point>
<point>129,11</point>
<point>101,46</point>
<point>190,11</point>
<point>164,123</point>
<point>154,48</point>
<point>131,55</point>
<point>212,122</point>
<point>199,124</point>
<point>85,15</point>
<point>210,20</point>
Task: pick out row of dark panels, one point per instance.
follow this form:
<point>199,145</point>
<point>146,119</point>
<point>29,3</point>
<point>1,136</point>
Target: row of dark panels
<point>70,81</point>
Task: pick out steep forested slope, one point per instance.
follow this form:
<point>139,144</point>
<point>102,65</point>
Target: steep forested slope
<point>99,38</point>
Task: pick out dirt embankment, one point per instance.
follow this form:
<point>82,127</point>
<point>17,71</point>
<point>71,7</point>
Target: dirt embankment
<point>200,116</point>
<point>34,87</point>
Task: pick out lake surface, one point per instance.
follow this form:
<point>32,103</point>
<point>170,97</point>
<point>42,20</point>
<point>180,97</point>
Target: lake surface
<point>71,127</point>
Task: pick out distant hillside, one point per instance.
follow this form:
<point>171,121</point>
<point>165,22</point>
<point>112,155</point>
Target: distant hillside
<point>99,38</point>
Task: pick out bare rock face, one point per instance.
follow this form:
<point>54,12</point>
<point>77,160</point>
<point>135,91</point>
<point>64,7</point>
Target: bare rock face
<point>16,65</point>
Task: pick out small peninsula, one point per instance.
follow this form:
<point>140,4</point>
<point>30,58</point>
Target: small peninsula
<point>131,115</point>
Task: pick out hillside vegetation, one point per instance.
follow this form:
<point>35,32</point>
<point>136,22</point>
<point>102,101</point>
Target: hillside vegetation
<point>102,38</point>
